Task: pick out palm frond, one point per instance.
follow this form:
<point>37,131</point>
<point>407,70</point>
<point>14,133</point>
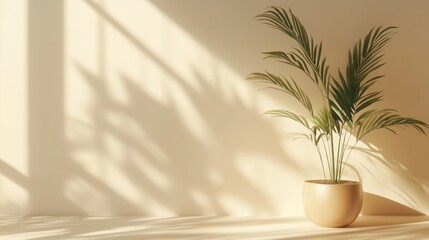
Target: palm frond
<point>387,119</point>
<point>350,90</point>
<point>309,54</point>
<point>292,58</point>
<point>288,114</point>
<point>323,121</point>
<point>288,86</point>
<point>295,136</point>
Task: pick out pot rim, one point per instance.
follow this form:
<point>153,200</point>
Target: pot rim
<point>326,182</point>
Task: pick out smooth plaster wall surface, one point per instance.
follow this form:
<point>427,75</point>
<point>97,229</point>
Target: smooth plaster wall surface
<point>142,108</point>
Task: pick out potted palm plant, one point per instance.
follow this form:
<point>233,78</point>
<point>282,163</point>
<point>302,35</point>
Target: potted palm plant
<point>346,116</point>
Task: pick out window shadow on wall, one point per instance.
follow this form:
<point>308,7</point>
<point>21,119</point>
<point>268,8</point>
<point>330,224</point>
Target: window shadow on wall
<point>194,177</point>
<point>195,174</point>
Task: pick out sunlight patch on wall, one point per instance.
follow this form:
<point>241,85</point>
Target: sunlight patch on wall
<point>90,199</point>
<point>189,115</point>
<point>233,205</point>
<point>13,84</point>
<point>202,201</point>
<point>14,198</point>
<point>13,107</point>
<point>277,183</point>
<point>121,184</point>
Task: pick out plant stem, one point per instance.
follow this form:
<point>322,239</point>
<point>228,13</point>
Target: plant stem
<point>327,157</point>
<point>321,161</point>
<point>333,156</point>
<point>343,150</point>
<point>350,151</point>
<point>338,154</point>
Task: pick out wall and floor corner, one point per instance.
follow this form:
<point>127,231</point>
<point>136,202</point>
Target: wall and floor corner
<point>142,108</point>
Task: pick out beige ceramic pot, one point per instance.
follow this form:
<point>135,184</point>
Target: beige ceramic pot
<point>332,205</point>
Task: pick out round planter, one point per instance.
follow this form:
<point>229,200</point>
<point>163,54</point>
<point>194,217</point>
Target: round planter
<point>332,205</point>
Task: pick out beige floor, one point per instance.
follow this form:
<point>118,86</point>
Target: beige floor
<point>130,228</point>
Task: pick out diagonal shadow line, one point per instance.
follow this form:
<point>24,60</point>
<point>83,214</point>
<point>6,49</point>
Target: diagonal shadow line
<point>134,40</point>
<point>13,174</point>
<point>100,185</point>
<point>138,44</point>
<point>392,165</point>
<point>91,80</point>
<point>93,83</point>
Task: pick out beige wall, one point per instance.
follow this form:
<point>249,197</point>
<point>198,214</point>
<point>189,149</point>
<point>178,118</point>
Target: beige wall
<point>141,108</point>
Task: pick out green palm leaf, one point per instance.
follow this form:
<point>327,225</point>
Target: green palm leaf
<point>282,84</point>
<point>288,114</point>
<point>296,135</point>
<point>350,91</point>
<point>323,121</point>
<point>308,57</point>
<point>385,119</point>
